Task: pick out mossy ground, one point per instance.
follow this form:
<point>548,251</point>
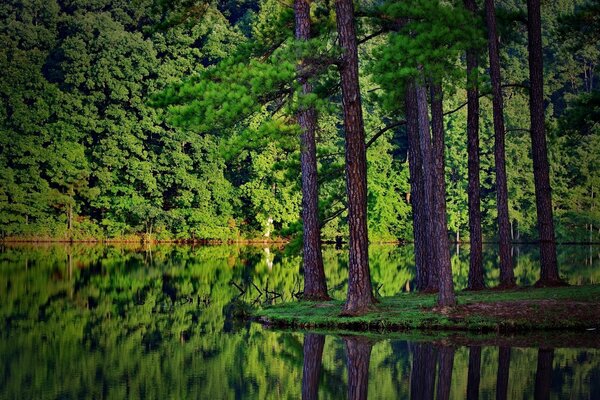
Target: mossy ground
<point>574,308</point>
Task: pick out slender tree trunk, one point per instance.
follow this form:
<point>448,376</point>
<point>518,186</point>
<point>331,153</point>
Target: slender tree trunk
<point>543,374</point>
<point>416,187</point>
<point>539,152</point>
<point>358,352</point>
<point>446,364</point>
<point>315,284</point>
<point>502,375</point>
<point>440,225</point>
<point>474,373</point>
<point>428,189</point>
<point>507,277</point>
<point>360,293</point>
<point>475,281</point>
<point>313,352</point>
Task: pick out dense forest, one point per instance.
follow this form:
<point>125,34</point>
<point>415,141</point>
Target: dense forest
<point>177,120</point>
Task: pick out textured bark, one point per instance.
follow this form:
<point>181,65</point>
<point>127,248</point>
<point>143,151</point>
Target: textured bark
<point>428,187</point>
<point>315,284</point>
<point>360,293</point>
<point>416,187</point>
<point>474,374</point>
<point>358,353</point>
<point>440,245</point>
<point>507,277</point>
<point>543,374</point>
<point>446,364</point>
<point>422,375</point>
<point>539,152</point>
<point>311,371</point>
<point>502,375</point>
<point>475,281</point>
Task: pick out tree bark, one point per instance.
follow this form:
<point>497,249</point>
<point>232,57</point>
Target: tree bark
<point>360,293</point>
<point>543,374</point>
<point>358,352</point>
<point>440,245</point>
<point>446,364</point>
<point>422,374</point>
<point>311,371</point>
<point>502,375</point>
<point>475,281</point>
<point>428,188</point>
<point>474,373</point>
<point>315,284</point>
<point>541,168</point>
<point>507,277</point>
<point>415,164</point>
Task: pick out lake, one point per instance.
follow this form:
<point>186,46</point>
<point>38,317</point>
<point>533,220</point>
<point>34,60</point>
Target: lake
<point>127,321</point>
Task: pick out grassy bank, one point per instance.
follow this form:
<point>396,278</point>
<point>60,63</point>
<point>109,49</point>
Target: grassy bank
<point>565,308</point>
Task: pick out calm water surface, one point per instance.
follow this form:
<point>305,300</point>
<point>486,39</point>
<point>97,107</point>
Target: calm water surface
<point>81,321</point>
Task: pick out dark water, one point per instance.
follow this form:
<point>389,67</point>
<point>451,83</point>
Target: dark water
<point>156,322</point>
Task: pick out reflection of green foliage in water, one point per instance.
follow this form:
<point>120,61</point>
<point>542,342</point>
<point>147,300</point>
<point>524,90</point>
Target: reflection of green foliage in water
<point>94,321</point>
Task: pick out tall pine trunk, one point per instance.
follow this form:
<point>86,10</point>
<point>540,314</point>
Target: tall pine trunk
<point>503,373</point>
<point>543,374</point>
<point>475,281</point>
<point>311,371</point>
<point>315,284</point>
<point>358,353</point>
<point>415,165</point>
<point>539,152</point>
<point>474,373</point>
<point>441,244</point>
<point>446,364</point>
<point>360,293</point>
<point>507,277</point>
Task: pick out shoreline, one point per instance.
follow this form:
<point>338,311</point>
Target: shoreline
<point>574,308</point>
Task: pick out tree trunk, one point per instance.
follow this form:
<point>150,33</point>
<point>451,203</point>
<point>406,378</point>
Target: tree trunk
<point>358,352</point>
<point>502,375</point>
<point>422,374</point>
<point>475,281</point>
<point>541,168</point>
<point>474,373</point>
<point>311,371</point>
<point>507,277</point>
<point>428,189</point>
<point>446,364</point>
<point>360,293</point>
<point>441,249</point>
<point>315,284</point>
<point>416,186</point>
<point>543,374</point>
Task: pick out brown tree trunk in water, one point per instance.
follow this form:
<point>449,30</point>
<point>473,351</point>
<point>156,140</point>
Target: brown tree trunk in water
<point>422,374</point>
<point>502,375</point>
<point>475,281</point>
<point>416,186</point>
<point>311,371</point>
<point>428,188</point>
<point>441,245</point>
<point>360,293</point>
<point>474,373</point>
<point>315,284</point>
<point>446,364</point>
<point>541,168</point>
<point>507,277</point>
<point>543,375</point>
<point>358,353</point>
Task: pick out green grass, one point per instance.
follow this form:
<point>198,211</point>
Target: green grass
<point>410,311</point>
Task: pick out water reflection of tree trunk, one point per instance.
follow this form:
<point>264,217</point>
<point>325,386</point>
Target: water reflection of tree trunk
<point>422,379</point>
<point>503,370</point>
<point>358,352</point>
<point>313,351</point>
<point>474,372</point>
<point>543,375</point>
<point>446,364</point>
